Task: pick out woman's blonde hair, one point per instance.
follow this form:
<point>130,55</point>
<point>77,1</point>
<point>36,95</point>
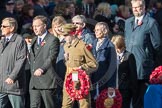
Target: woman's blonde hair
<point>103,9</point>
<point>118,41</point>
<point>58,21</point>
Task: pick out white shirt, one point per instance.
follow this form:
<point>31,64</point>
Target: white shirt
<point>42,37</point>
<point>139,19</point>
<point>9,37</point>
<point>120,55</point>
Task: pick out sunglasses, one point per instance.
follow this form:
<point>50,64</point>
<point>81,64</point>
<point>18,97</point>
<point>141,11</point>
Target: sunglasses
<point>3,26</point>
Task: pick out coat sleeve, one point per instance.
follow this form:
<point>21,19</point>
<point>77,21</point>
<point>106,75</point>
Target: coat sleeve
<point>53,53</point>
<point>155,36</point>
<point>91,64</point>
<point>21,54</point>
<point>132,72</point>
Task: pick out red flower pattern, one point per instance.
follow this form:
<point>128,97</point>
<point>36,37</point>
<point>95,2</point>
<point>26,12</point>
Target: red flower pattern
<point>140,23</point>
<point>156,76</point>
<point>43,43</point>
<point>84,88</point>
<point>104,95</point>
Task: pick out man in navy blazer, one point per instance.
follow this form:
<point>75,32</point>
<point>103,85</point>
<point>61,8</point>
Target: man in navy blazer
<point>142,38</point>
<point>43,55</point>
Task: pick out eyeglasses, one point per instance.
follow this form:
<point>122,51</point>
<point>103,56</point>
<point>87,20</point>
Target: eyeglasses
<point>78,23</point>
<point>3,26</point>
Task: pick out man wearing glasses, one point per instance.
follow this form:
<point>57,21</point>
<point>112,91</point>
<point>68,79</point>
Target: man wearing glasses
<point>82,31</point>
<point>43,55</point>
<point>143,40</point>
<point>12,65</point>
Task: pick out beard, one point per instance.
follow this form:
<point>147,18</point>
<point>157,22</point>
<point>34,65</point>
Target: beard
<point>138,14</point>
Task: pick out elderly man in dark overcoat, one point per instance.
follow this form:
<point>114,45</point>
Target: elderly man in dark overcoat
<point>13,51</point>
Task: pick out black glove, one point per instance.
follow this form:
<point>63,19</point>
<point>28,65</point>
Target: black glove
<point>77,85</point>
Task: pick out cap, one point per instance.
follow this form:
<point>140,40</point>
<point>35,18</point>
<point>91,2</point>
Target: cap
<point>27,35</point>
<point>68,29</point>
<point>9,2</point>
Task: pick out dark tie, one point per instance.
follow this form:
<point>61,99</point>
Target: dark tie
<point>6,40</point>
<point>39,41</point>
<point>136,23</point>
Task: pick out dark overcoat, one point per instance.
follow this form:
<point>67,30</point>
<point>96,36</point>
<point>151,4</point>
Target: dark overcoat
<point>44,57</point>
<point>12,65</point>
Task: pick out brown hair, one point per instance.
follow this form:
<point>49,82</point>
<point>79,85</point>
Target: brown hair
<point>42,18</point>
<point>118,41</point>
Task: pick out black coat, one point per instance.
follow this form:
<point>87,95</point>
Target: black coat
<point>44,58</point>
<point>127,73</point>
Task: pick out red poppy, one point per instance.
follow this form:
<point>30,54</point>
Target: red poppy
<point>43,43</point>
<point>140,23</point>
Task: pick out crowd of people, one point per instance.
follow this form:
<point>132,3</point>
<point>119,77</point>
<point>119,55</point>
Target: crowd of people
<point>44,41</point>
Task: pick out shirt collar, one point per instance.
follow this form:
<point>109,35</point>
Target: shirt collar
<point>139,18</point>
<point>9,36</point>
<point>44,34</point>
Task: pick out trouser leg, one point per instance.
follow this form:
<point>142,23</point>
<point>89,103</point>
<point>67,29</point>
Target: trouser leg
<point>48,98</point>
<point>35,99</point>
<point>3,100</point>
<point>67,102</point>
<point>17,101</point>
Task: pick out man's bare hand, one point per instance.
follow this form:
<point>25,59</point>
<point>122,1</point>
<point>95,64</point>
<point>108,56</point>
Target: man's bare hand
<point>38,72</point>
<point>9,81</point>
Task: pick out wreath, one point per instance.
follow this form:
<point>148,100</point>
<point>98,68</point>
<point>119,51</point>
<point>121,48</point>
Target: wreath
<point>83,91</point>
<point>104,101</point>
<point>156,76</point>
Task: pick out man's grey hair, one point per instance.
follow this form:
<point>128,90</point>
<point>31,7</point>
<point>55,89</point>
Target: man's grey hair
<point>142,2</point>
<point>80,18</point>
<point>12,23</point>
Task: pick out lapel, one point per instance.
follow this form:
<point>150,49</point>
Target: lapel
<point>124,57</point>
<point>104,44</point>
<point>143,23</point>
<point>41,46</point>
<point>94,47</point>
<point>133,24</point>
<point>34,41</point>
<point>4,45</point>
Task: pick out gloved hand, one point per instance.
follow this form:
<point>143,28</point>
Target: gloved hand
<point>77,85</point>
